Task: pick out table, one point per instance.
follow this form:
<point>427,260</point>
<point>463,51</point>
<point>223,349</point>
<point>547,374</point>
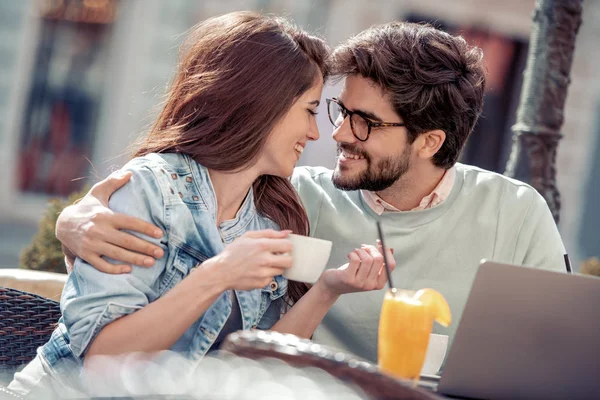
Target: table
<point>344,366</point>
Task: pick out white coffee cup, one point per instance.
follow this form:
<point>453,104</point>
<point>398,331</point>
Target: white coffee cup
<point>436,351</point>
<point>309,258</point>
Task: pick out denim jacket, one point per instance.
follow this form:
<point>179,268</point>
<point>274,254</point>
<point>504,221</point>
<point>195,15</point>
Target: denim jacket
<point>174,193</point>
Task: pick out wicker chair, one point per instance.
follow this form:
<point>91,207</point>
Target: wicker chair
<point>26,322</point>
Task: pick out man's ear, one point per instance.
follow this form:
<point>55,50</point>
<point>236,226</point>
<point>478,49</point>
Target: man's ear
<point>429,143</point>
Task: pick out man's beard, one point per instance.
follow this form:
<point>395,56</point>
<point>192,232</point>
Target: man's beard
<point>377,176</point>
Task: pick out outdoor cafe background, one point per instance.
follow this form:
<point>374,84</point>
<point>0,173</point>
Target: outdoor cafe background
<point>79,79</point>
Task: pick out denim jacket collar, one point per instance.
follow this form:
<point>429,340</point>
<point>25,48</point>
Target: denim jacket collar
<point>174,192</point>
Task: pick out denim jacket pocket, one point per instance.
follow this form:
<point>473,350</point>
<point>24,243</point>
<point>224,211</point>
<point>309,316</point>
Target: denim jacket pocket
<point>185,260</point>
<point>273,291</point>
<point>272,303</point>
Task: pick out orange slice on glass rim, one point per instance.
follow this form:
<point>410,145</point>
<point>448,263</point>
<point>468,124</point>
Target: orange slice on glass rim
<point>437,304</point>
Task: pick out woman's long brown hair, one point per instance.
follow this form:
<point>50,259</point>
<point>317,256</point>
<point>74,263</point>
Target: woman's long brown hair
<point>238,75</point>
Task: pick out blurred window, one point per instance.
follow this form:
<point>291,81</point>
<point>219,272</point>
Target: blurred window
<point>60,115</point>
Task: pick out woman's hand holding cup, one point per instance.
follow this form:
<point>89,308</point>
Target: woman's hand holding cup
<point>252,260</point>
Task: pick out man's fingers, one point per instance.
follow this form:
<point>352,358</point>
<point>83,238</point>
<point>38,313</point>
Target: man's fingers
<point>104,266</point>
<point>127,222</point>
<point>365,265</point>
<point>133,243</point>
<point>124,256</point>
<point>380,248</point>
<point>377,264</point>
<point>382,279</point>
<point>389,256</point>
<point>353,264</point>
<point>106,187</point>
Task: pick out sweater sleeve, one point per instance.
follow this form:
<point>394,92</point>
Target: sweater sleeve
<point>539,240</point>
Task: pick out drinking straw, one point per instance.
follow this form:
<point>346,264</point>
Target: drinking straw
<point>385,258</point>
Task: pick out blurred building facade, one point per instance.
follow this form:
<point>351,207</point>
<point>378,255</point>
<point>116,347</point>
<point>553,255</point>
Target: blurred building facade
<point>80,80</point>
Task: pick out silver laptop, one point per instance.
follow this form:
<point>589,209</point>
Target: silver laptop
<point>526,333</point>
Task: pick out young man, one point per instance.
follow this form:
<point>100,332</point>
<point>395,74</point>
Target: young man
<point>411,97</point>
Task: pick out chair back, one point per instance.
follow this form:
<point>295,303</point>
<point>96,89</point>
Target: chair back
<point>26,323</point>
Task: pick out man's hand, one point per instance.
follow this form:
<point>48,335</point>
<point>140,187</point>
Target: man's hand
<point>89,229</point>
<point>364,272</point>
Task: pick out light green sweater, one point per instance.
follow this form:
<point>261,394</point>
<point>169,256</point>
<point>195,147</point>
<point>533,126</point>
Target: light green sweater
<point>486,215</point>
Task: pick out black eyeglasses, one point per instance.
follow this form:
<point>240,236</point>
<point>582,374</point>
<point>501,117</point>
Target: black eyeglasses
<point>360,126</point>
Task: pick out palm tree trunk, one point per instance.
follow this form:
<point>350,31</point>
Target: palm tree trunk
<point>541,108</point>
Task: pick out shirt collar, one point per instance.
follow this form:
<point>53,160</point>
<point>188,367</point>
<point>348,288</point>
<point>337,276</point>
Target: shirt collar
<point>436,197</point>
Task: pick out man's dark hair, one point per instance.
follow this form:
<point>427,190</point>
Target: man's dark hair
<point>433,79</point>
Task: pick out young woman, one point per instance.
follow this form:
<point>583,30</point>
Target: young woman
<point>212,174</point>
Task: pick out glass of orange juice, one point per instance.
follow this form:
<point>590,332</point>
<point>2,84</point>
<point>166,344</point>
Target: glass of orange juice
<point>405,324</point>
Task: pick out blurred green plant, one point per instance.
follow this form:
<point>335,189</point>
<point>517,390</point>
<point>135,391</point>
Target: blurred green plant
<point>45,252</point>
<point>591,266</point>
